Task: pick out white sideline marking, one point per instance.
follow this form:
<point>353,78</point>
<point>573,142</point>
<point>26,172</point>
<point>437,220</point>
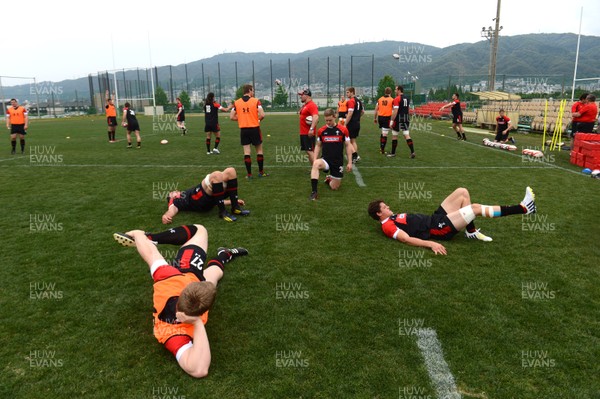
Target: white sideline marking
<point>215,167</point>
<point>439,372</point>
<point>358,177</point>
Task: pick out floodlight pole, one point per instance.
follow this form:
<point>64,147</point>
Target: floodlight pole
<point>577,56</point>
<point>495,49</point>
<point>492,35</point>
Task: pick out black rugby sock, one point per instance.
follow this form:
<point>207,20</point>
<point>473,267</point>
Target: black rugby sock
<point>175,236</point>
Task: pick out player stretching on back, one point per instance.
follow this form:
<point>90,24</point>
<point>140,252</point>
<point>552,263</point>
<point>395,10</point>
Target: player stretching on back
<point>454,214</point>
<point>184,292</point>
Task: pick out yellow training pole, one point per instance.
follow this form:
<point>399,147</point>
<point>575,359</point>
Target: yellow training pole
<point>544,135</point>
<point>557,135</point>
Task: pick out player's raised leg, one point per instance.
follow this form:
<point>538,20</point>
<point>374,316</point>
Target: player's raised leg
<point>466,214</point>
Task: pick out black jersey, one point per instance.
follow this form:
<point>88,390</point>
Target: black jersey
<point>211,113</point>
<point>333,141</point>
<point>357,110</point>
<point>130,116</point>
<point>194,199</point>
<point>403,104</point>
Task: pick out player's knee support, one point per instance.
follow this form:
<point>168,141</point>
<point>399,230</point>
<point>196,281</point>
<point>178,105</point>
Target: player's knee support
<point>467,213</point>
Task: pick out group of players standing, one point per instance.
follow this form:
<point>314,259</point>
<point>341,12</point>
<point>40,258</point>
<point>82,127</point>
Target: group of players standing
<point>324,146</point>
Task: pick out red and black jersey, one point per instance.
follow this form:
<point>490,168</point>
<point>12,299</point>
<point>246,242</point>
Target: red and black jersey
<point>356,106</point>
<point>456,110</point>
<point>333,141</point>
<point>211,113</point>
<point>180,112</point>
<point>194,199</point>
<point>402,103</point>
<point>502,123</point>
<point>413,224</point>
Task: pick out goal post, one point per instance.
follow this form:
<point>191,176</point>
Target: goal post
<point>132,85</point>
<point>24,89</point>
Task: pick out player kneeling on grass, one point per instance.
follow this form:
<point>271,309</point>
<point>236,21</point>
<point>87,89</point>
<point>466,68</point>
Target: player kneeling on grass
<point>331,139</point>
<point>503,127</point>
<point>213,190</point>
<point>184,292</point>
<point>454,214</point>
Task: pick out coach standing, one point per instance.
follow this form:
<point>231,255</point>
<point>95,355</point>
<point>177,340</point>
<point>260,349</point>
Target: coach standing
<point>17,121</point>
<point>309,119</point>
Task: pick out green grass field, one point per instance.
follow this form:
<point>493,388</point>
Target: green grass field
<point>325,306</point>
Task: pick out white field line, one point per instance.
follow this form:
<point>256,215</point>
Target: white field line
<point>358,177</point>
<point>439,372</point>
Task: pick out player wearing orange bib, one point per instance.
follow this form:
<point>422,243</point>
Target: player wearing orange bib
<point>17,122</point>
<point>342,110</point>
<point>383,114</point>
<point>111,117</point>
<point>248,112</point>
<point>184,292</point>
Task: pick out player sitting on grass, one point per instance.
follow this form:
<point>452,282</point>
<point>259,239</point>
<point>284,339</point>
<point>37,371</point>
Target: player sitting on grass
<point>184,292</point>
<point>213,190</point>
<point>454,214</point>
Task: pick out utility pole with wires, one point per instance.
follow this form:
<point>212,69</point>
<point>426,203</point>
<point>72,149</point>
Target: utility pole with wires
<point>492,35</point>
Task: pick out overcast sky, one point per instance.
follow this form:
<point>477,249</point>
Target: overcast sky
<point>65,39</point>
